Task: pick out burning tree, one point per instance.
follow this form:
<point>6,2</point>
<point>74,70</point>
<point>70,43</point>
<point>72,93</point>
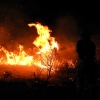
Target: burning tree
<point>47,48</point>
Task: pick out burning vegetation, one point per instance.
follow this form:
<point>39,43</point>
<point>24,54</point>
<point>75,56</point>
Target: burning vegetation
<point>45,46</point>
<point>43,58</point>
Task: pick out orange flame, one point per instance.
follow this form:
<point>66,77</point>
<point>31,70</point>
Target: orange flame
<point>47,47</point>
<point>44,41</point>
<point>20,58</point>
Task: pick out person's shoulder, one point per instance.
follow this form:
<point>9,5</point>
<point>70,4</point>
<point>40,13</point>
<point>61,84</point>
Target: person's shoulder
<point>92,43</point>
<point>79,43</point>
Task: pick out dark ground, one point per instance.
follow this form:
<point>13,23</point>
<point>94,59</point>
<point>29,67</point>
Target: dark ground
<point>16,91</point>
<point>19,90</point>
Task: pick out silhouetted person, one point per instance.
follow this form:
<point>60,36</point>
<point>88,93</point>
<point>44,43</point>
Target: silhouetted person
<point>86,51</point>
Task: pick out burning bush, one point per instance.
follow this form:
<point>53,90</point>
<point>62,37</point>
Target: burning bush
<point>43,57</point>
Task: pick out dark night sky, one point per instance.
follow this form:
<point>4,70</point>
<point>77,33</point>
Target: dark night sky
<point>85,11</point>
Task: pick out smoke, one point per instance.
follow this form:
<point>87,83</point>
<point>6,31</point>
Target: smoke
<point>14,31</point>
<point>67,33</point>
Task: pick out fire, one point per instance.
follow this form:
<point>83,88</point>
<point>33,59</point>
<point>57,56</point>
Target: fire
<point>20,58</point>
<point>71,64</point>
<point>44,41</point>
<point>47,46</point>
<point>44,57</point>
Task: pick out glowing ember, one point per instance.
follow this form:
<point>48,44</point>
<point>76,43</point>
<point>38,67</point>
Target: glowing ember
<point>70,64</point>
<point>44,58</point>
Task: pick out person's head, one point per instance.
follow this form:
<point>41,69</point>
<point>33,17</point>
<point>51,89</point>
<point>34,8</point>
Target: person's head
<point>85,34</point>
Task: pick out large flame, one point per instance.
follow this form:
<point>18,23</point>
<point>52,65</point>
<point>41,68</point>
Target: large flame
<point>44,41</point>
<point>45,56</point>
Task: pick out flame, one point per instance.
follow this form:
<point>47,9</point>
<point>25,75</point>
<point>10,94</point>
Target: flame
<point>44,41</point>
<point>45,57</point>
<point>20,58</point>
<point>46,45</point>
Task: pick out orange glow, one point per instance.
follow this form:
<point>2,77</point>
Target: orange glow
<point>44,57</point>
<point>70,64</point>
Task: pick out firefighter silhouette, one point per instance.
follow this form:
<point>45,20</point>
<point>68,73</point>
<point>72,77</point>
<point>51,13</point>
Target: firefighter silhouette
<point>86,51</point>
